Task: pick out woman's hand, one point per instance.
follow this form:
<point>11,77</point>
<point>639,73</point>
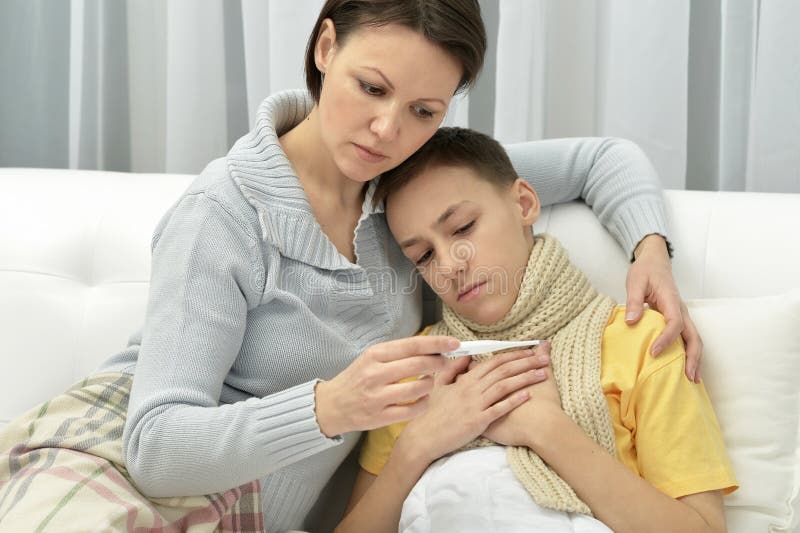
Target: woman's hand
<point>462,405</point>
<point>650,280</point>
<point>367,395</point>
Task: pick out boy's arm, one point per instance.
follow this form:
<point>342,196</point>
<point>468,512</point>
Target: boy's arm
<point>364,481</point>
<point>616,495</point>
<point>678,443</point>
<point>377,501</point>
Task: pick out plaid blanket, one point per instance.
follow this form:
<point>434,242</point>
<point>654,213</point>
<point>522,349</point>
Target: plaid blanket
<point>61,469</point>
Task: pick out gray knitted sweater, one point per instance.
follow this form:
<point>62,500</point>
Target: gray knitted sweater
<point>250,304</point>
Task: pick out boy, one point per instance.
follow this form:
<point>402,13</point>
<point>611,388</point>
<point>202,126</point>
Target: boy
<point>611,433</point>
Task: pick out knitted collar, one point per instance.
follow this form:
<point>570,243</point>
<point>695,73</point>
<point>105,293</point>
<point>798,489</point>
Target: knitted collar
<point>555,302</point>
<point>259,166</point>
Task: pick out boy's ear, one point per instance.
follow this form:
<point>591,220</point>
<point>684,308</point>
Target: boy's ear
<point>528,200</point>
<point>325,46</point>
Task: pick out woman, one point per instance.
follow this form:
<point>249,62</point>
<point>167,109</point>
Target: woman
<point>276,289</point>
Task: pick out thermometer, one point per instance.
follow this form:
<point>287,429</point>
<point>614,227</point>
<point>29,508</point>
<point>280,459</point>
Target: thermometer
<point>476,347</point>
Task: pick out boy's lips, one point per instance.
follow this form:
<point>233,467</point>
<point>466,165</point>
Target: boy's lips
<point>470,291</point>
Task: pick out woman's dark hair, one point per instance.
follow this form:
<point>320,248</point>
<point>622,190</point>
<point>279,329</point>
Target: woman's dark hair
<point>454,25</point>
<point>452,147</point>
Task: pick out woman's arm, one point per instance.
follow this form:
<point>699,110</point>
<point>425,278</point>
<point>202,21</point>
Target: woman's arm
<point>615,178</point>
<point>208,270</point>
<point>178,439</point>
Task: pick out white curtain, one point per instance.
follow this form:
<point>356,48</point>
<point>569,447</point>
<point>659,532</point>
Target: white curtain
<point>710,89</point>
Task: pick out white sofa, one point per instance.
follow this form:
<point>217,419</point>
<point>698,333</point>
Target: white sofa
<point>74,265</point>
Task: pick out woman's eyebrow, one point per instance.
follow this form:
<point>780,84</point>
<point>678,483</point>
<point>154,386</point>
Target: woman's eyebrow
<point>386,80</point>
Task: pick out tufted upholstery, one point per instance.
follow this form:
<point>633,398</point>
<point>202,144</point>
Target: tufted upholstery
<point>75,253</point>
<point>728,244</point>
<point>74,269</point>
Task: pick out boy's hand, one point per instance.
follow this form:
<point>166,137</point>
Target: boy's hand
<point>650,280</point>
<point>514,428</point>
<point>462,405</point>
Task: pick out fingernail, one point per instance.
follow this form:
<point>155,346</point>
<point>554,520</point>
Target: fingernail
<point>539,372</point>
<point>544,358</point>
<point>454,343</point>
<point>656,350</point>
<point>527,352</point>
<point>524,395</point>
<point>630,315</point>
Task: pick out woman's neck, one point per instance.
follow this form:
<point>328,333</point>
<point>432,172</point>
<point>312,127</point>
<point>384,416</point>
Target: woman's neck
<point>321,178</point>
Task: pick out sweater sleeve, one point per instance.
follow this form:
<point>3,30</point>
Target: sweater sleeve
<point>178,439</point>
<point>613,176</point>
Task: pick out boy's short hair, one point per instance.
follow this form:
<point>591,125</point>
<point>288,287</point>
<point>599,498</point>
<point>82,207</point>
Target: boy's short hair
<point>451,147</point>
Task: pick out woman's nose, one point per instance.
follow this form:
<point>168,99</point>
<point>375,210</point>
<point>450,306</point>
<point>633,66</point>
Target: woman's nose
<point>386,125</point>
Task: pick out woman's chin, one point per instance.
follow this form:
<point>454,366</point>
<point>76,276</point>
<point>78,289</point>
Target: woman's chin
<point>358,171</point>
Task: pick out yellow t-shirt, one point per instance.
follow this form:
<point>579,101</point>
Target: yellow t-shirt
<point>665,427</point>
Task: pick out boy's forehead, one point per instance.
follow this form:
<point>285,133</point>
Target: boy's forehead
<point>443,185</point>
<point>452,179</point>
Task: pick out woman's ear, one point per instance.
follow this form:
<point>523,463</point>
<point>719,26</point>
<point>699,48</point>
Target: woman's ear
<point>528,200</point>
<point>325,46</point>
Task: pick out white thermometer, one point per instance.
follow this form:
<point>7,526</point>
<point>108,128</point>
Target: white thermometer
<point>476,347</point>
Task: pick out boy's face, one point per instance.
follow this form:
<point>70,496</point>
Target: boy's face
<point>469,238</point>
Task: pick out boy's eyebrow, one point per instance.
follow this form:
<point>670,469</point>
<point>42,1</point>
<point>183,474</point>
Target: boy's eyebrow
<point>439,221</point>
<point>392,87</point>
<point>449,211</point>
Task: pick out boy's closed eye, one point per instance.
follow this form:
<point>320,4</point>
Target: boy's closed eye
<point>426,255</point>
<point>464,229</point>
<point>424,258</point>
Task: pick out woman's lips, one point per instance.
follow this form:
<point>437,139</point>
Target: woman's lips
<point>471,292</point>
<point>368,155</point>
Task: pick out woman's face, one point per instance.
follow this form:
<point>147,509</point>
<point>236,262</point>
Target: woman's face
<point>386,91</point>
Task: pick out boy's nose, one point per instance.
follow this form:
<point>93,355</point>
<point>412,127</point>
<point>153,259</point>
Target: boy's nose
<point>453,267</point>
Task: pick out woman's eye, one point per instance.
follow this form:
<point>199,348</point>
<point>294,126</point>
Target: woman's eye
<point>370,89</point>
<point>423,258</point>
<point>421,112</point>
<point>465,228</point>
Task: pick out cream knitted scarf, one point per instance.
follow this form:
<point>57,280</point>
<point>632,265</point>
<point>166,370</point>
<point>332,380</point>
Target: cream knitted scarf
<point>555,302</point>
